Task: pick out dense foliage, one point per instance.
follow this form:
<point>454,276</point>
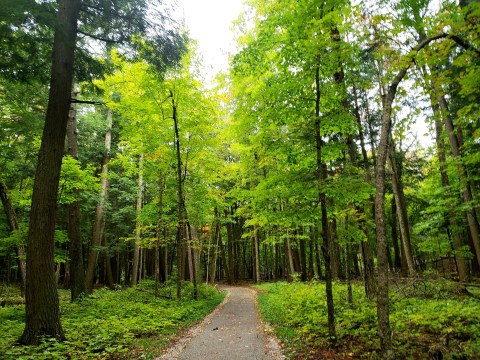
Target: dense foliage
<point>124,323</point>
<point>429,317</point>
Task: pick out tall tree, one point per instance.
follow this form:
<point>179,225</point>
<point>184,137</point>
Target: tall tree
<point>42,307</point>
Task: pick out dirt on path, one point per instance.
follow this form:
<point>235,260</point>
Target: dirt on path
<point>232,332</point>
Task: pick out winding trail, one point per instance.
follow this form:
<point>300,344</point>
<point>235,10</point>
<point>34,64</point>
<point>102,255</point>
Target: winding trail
<point>232,332</point>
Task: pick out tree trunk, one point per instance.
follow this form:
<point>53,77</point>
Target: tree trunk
<point>382,245</point>
<point>397,258</point>
<point>77,274</point>
<point>98,226</point>
<point>138,227</point>
<point>230,248</point>
<point>256,255</point>
<point>322,176</point>
<point>41,299</point>
<point>401,212</point>
<point>462,175</point>
<point>460,261</point>
<point>161,241</point>
<point>13,226</point>
<point>181,220</point>
<point>291,266</point>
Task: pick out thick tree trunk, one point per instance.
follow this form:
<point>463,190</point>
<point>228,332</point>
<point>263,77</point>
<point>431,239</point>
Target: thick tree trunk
<point>41,299</point>
<point>138,226</point>
<point>99,224</point>
<point>13,226</point>
<point>77,274</point>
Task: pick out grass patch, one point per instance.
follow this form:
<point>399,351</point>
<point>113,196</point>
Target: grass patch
<point>427,319</point>
<point>122,324</point>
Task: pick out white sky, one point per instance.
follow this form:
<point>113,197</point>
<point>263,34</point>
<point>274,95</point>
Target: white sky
<point>210,23</point>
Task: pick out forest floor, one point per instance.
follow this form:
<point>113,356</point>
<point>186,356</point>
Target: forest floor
<point>233,331</point>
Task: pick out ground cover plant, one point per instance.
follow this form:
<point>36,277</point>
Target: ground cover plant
<point>430,320</point>
<point>124,323</point>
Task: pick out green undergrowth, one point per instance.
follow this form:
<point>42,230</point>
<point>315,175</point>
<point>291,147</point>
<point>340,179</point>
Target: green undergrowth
<point>429,319</point>
<point>121,324</point>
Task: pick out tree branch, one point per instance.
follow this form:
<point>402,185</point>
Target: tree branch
<point>91,102</point>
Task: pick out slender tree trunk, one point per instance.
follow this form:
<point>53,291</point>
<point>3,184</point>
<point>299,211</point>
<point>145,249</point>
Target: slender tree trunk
<point>41,299</point>
<point>348,274</point>
<point>13,226</point>
<point>213,261</point>
<point>161,241</point>
<point>98,225</point>
<point>181,220</point>
<point>460,261</point>
<point>401,213</point>
<point>138,228</point>
<point>256,255</point>
<point>77,274</point>
<point>462,175</point>
<point>303,259</point>
<point>322,176</point>
<point>230,248</point>
<point>397,261</point>
<point>291,266</point>
<point>382,244</point>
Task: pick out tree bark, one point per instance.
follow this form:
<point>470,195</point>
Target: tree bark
<point>99,224</point>
<point>41,299</point>
<point>77,274</point>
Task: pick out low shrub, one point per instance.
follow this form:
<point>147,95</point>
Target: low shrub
<point>423,322</point>
<point>110,324</point>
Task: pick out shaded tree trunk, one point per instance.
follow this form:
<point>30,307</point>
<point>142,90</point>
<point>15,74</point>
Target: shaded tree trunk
<point>41,299</point>
<point>181,220</point>
<point>322,176</point>
<point>99,224</point>
<point>77,274</point>
<point>397,258</point>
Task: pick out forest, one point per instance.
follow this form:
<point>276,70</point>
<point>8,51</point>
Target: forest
<point>334,167</point>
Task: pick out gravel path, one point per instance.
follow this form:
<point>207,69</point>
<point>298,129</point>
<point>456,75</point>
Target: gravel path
<point>232,332</point>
